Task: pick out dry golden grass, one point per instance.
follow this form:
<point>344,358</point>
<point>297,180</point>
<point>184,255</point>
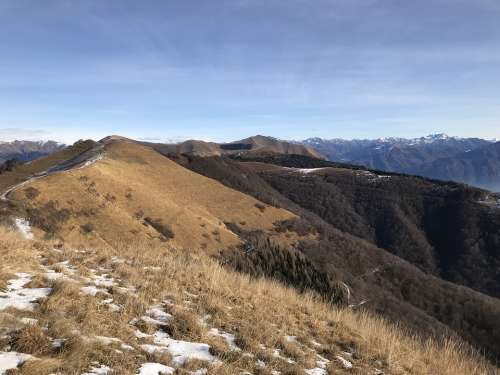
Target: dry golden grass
<point>134,192</point>
<point>201,295</point>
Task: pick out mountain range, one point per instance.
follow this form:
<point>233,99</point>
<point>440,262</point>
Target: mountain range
<point>473,161</point>
<point>156,249</point>
<point>256,145</point>
<point>27,150</point>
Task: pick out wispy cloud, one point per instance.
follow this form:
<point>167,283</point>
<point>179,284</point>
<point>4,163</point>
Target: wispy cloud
<point>11,134</point>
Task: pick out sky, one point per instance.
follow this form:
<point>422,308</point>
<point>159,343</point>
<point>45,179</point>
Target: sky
<point>222,70</point>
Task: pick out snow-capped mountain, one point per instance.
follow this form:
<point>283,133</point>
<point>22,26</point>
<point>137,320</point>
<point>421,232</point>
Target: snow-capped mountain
<point>415,155</point>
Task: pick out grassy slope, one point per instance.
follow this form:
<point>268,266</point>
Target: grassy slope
<point>112,199</point>
<point>397,290</point>
<point>259,313</point>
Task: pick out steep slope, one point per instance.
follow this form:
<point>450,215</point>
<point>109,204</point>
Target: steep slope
<point>446,229</point>
<point>257,145</point>
<point>154,309</point>
<point>135,194</point>
<point>479,167</point>
<point>27,150</point>
<point>337,204</point>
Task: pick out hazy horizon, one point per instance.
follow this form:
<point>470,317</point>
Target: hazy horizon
<point>225,70</point>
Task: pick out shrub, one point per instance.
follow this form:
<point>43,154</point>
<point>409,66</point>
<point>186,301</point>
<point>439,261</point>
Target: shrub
<point>160,227</point>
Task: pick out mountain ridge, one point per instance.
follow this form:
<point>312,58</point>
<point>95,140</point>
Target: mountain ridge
<point>437,156</point>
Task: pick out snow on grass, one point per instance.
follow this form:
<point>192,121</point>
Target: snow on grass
<point>277,354</point>
<point>158,313</point>
<point>155,315</point>
<point>24,227</point>
<point>230,339</point>
<point>67,267</point>
<point>322,362</point>
<point>117,260</point>
<point>101,370</point>
<point>53,275</point>
<point>291,338</point>
<point>181,351</point>
<point>103,280</point>
<point>112,306</point>
<point>152,268</point>
<point>92,290</point>
<point>309,170</point>
<point>316,371</point>
<point>57,343</point>
<point>151,368</point>
<point>29,321</point>
<point>316,344</point>
<point>18,297</point>
<point>105,340</point>
<point>12,360</point>
<point>344,362</point>
<point>141,335</point>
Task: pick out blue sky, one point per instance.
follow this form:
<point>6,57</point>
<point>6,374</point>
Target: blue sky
<point>227,69</point>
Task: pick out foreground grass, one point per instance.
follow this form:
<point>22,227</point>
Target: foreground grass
<point>275,328</point>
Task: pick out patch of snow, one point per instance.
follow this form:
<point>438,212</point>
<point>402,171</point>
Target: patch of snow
<point>101,370</point>
<point>12,360</point>
<point>58,343</point>
<point>29,321</point>
<point>24,227</point>
<point>148,320</point>
<point>151,368</point>
<point>92,290</point>
<point>322,362</point>
<point>277,354</point>
<point>112,306</point>
<point>308,170</point>
<point>315,343</point>
<point>203,321</point>
<point>191,294</point>
<point>201,371</point>
<point>140,334</point>
<point>152,268</point>
<point>115,259</point>
<point>126,290</point>
<point>316,371</point>
<point>113,340</point>
<point>230,339</point>
<point>344,362</point>
<point>103,280</point>
<point>53,275</point>
<point>67,266</point>
<point>19,297</point>
<point>181,351</point>
<point>158,313</point>
<point>291,338</point>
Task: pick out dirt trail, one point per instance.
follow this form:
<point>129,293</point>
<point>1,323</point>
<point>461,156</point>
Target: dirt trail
<point>82,160</point>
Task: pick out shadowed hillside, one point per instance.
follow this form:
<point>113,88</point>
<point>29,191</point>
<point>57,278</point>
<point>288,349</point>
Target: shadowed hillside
<point>360,218</point>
